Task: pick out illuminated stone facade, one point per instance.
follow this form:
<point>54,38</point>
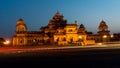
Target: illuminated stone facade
<point>58,32</point>
<point>24,37</point>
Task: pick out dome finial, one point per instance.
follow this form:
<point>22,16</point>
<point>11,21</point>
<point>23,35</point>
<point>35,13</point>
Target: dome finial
<point>20,19</point>
<point>57,12</point>
<point>103,19</point>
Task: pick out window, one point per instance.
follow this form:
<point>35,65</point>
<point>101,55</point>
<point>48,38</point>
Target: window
<point>70,30</point>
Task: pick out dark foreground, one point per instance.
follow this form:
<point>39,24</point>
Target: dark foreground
<point>107,58</point>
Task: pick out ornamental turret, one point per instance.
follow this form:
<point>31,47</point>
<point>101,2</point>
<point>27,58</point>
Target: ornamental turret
<point>82,29</point>
<point>103,26</point>
<point>103,32</point>
<point>21,26</point>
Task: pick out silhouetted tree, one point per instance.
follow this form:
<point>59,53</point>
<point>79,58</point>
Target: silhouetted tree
<point>1,41</point>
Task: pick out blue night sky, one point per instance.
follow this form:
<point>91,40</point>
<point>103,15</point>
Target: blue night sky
<point>37,13</point>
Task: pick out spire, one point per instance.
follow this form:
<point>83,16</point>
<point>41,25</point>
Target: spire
<point>57,12</point>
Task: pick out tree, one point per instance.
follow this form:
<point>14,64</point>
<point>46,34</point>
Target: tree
<point>2,40</point>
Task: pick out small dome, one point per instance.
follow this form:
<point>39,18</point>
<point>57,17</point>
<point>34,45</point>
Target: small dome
<point>82,29</point>
<point>21,26</point>
<point>20,22</point>
<point>81,26</point>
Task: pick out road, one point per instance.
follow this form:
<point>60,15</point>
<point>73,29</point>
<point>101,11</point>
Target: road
<point>58,48</point>
<point>94,56</point>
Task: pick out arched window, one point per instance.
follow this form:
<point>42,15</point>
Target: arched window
<point>21,40</point>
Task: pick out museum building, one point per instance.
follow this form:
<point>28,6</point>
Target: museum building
<point>59,32</point>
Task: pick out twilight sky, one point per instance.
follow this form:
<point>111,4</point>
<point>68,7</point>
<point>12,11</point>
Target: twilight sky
<point>37,13</point>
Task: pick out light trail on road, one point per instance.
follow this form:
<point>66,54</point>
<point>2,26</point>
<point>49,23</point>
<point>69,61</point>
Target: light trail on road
<point>59,48</point>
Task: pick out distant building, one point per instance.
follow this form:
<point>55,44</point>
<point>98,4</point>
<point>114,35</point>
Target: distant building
<point>58,32</point>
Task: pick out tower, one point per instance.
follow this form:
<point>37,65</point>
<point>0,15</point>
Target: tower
<point>21,26</point>
<point>103,32</point>
<point>103,28</point>
<point>19,37</point>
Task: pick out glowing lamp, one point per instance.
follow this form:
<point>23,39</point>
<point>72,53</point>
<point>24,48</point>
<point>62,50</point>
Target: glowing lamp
<point>111,36</point>
<point>105,36</point>
<point>7,42</point>
<point>100,43</point>
<point>80,37</point>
